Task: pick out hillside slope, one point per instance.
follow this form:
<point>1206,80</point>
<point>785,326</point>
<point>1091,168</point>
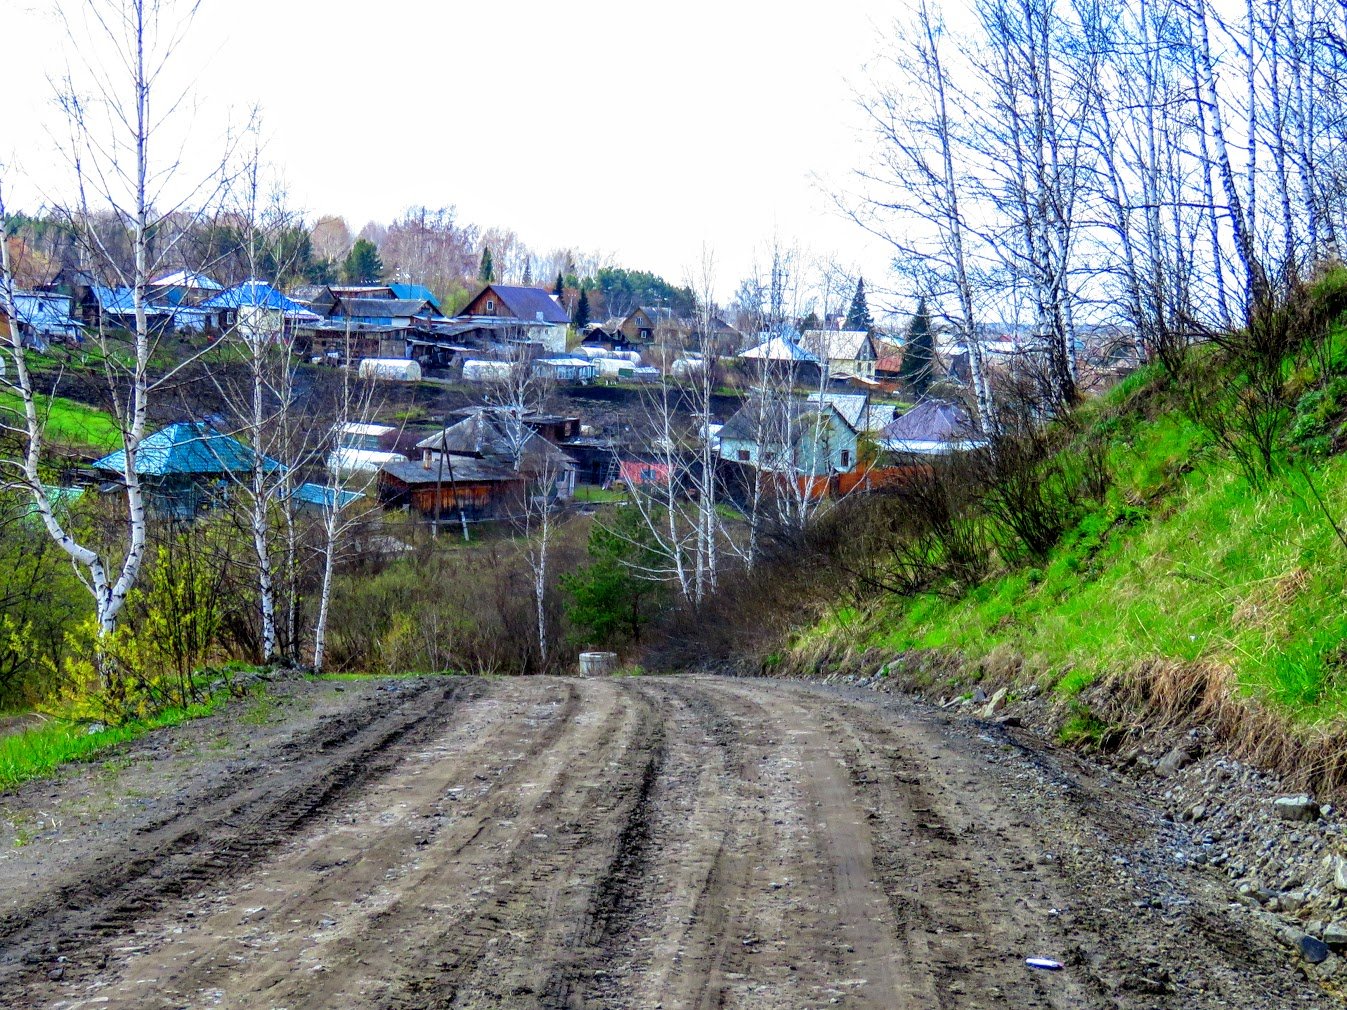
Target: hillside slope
<point>1191,589</point>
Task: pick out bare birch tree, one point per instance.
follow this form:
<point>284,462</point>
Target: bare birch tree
<point>120,112</point>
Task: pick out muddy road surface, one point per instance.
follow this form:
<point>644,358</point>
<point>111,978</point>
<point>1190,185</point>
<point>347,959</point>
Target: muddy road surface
<point>643,843</point>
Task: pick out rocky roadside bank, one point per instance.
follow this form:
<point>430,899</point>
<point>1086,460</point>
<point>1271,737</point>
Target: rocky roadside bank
<point>1281,855</point>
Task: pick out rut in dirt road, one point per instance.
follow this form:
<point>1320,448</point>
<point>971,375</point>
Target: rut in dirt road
<point>673,843</point>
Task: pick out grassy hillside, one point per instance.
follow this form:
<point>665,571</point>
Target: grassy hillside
<point>69,423</point>
<point>1186,579</point>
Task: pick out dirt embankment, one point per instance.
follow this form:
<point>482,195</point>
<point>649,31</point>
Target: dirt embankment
<point>682,842</point>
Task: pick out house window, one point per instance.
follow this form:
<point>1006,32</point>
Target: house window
<point>846,459</point>
<point>490,306</point>
<point>743,455</point>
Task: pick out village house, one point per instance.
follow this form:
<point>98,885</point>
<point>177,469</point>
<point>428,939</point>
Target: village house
<point>789,436</point>
<point>183,287</point>
<point>443,485</point>
<point>847,354</point>
<point>370,321</point>
<point>647,325</point>
<point>783,360</point>
<point>858,409</point>
<point>255,309</point>
<point>505,313</point>
<point>658,326</point>
<point>498,436</point>
<point>114,308</point>
<point>185,468</point>
<point>172,302</point>
<point>42,319</point>
<point>931,428</point>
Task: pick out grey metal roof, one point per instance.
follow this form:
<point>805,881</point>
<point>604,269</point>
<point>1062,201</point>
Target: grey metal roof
<point>529,304</point>
<point>490,433</point>
<point>932,421</point>
<point>465,469</point>
<point>771,417</point>
<point>852,406</point>
<point>383,308</point>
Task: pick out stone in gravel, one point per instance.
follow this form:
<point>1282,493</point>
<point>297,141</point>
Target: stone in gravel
<point>1176,760</point>
<point>1296,808</point>
<point>994,704</point>
<point>1340,873</point>
<point>1335,936</point>
<point>1312,950</point>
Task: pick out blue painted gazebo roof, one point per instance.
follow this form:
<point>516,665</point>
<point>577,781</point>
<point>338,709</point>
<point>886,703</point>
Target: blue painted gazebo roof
<point>186,448</point>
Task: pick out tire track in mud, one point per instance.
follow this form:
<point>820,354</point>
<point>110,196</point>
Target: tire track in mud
<point>558,891</point>
<point>946,883</point>
<point>688,843</point>
<point>364,871</point>
<point>1027,852</point>
<point>214,842</point>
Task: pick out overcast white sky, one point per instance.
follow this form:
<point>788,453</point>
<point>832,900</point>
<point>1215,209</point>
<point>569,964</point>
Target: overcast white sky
<point>636,129</point>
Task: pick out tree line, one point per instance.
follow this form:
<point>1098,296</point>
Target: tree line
<point>1065,165</point>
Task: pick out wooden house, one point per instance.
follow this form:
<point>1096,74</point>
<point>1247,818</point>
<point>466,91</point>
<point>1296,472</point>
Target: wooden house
<point>511,313</point>
<point>499,437</point>
<point>444,484</point>
<point>790,436</point>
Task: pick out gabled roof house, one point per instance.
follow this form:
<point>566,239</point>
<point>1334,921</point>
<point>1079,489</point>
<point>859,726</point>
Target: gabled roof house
<point>185,467</point>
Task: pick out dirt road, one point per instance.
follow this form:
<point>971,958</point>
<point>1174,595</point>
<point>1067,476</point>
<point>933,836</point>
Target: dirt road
<point>644,843</point>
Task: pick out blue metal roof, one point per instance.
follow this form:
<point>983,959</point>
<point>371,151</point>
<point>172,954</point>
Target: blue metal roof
<point>188,447</point>
<point>256,294</point>
<point>323,496</point>
<point>118,300</point>
<point>418,292</point>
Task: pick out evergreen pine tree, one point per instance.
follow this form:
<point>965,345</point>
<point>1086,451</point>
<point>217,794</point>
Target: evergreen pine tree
<point>528,271</point>
<point>363,265</point>
<point>581,317</point>
<point>858,316</point>
<point>918,352</point>
<point>487,272</point>
<point>560,288</point>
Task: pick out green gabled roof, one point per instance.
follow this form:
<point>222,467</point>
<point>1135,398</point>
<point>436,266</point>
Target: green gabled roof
<point>186,448</point>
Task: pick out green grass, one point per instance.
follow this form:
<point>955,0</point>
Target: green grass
<point>69,423</point>
<point>1182,563</point>
<point>401,675</point>
<point>37,752</point>
<point>599,495</point>
<point>1214,575</point>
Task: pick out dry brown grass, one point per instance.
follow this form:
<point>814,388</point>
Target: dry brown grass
<point>1169,696</point>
